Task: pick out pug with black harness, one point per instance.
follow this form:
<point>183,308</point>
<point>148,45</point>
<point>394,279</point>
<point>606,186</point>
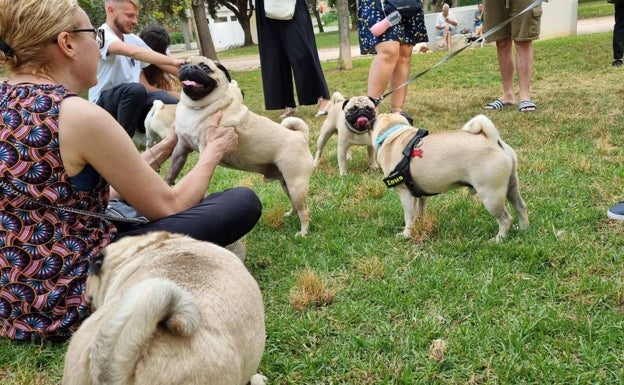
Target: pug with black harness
<point>418,164</point>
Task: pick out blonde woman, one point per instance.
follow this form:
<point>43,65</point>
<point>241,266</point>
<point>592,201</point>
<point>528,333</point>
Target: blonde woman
<point>59,151</point>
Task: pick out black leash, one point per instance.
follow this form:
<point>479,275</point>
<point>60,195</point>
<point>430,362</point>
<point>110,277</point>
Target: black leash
<point>455,53</point>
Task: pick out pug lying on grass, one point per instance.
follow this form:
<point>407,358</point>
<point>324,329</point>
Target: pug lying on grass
<point>168,309</point>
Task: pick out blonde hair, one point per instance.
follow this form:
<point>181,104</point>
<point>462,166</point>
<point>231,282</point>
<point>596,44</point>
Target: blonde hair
<point>27,27</point>
<point>136,3</point>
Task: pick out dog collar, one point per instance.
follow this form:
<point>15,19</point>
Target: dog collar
<point>355,130</point>
<point>386,134</point>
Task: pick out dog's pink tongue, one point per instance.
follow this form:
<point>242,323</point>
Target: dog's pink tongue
<point>189,83</point>
<point>361,122</point>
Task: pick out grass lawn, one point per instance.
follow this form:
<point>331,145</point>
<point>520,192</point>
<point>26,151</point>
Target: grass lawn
<point>594,8</point>
<point>545,306</point>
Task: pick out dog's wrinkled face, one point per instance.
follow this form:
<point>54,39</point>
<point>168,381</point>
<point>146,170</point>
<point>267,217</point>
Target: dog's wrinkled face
<point>199,76</point>
<point>359,113</point>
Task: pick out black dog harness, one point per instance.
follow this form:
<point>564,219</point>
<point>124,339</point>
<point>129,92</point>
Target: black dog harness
<point>401,173</point>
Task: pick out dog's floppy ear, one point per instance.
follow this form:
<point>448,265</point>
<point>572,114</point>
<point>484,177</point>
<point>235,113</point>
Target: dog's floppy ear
<point>222,68</point>
<point>95,267</point>
<point>375,101</point>
<point>344,104</point>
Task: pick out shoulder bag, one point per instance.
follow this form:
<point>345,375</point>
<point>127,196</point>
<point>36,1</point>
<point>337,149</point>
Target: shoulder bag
<point>280,9</point>
<point>407,8</point>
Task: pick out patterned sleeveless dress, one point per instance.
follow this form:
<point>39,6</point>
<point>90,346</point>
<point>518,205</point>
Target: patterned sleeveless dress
<point>409,31</point>
<point>44,253</point>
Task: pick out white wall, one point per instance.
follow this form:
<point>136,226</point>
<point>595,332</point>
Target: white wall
<point>226,31</point>
<point>559,18</point>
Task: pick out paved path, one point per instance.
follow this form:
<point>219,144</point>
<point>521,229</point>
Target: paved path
<point>584,26</point>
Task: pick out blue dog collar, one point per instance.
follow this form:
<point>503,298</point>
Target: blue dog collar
<point>385,135</point>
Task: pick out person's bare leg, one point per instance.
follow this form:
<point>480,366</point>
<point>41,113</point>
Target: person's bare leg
<point>382,67</point>
<point>447,37</point>
<point>399,76</point>
<point>524,66</point>
<point>504,50</point>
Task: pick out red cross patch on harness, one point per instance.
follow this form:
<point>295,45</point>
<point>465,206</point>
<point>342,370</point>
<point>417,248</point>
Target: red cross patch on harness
<point>417,152</point>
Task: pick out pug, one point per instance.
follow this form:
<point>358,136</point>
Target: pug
<point>278,151</point>
<point>475,157</point>
<point>158,120</point>
<point>352,119</point>
<point>168,309</point>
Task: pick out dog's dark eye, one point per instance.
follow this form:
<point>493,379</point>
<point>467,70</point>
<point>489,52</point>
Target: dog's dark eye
<point>205,67</point>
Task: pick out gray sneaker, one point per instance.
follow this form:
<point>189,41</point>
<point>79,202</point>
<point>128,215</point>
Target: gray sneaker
<point>616,212</point>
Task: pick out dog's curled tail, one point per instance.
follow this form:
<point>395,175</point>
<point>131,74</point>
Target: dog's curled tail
<point>147,123</point>
<point>481,124</point>
<point>296,124</point>
<point>157,105</point>
<point>118,343</point>
<point>337,97</point>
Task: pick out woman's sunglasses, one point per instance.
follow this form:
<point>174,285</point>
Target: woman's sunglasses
<point>98,34</point>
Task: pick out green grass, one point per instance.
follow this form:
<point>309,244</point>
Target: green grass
<point>594,8</point>
<point>543,307</point>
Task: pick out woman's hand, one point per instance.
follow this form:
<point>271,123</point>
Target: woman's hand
<point>219,139</point>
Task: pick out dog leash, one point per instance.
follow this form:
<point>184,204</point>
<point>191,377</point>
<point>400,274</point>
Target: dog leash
<point>497,27</point>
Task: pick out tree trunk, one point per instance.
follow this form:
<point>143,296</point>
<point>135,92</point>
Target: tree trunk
<point>205,43</point>
<point>353,11</point>
<point>344,57</point>
<point>184,23</point>
<point>319,23</point>
<point>246,26</point>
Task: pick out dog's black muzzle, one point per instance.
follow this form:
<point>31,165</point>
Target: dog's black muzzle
<point>359,119</point>
<point>196,80</point>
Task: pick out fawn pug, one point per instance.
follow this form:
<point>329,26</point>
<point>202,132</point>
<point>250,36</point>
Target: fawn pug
<point>352,120</point>
<point>168,309</point>
<point>474,157</point>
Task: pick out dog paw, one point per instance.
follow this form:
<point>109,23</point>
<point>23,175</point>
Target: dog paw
<point>258,379</point>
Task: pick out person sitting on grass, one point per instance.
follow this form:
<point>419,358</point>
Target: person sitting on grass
<point>60,168</point>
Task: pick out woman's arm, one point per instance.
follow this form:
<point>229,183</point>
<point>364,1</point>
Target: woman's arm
<point>89,135</point>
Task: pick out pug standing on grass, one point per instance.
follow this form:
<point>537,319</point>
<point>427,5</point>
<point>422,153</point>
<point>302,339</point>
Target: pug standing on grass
<point>171,310</point>
<point>474,157</point>
<point>351,119</point>
<point>278,151</point>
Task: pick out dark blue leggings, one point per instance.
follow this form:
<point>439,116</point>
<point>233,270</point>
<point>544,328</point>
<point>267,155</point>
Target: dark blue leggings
<point>221,218</point>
